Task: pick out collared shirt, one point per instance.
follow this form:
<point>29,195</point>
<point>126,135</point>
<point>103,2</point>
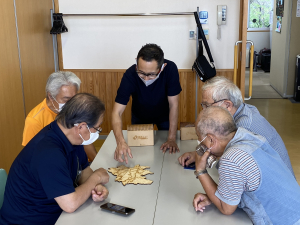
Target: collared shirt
<point>149,103</point>
<point>46,168</point>
<point>39,117</point>
<point>248,117</point>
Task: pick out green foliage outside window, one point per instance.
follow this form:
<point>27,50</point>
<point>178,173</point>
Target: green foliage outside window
<point>259,16</point>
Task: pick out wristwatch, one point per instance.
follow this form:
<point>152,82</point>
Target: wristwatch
<point>198,173</point>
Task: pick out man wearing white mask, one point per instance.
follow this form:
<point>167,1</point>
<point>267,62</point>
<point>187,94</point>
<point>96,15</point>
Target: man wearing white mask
<point>153,83</point>
<point>61,87</point>
<point>52,174</point>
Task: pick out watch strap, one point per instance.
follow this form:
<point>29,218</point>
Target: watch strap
<point>198,173</point>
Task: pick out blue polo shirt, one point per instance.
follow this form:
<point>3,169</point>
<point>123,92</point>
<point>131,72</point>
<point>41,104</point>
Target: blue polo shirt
<point>149,104</point>
<point>45,169</point>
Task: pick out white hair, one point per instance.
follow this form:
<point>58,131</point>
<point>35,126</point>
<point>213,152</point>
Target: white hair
<point>58,79</point>
<point>222,88</point>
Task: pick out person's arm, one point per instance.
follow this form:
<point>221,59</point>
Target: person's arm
<point>90,151</point>
<point>173,118</point>
<point>122,147</point>
<point>70,202</point>
<point>210,187</point>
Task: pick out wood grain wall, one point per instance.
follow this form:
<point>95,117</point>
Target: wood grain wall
<point>12,113</point>
<point>104,84</point>
<point>36,48</point>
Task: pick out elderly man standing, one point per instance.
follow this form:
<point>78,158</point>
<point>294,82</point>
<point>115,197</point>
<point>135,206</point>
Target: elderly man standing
<point>52,172</point>
<point>252,175</point>
<point>61,87</point>
<point>220,91</point>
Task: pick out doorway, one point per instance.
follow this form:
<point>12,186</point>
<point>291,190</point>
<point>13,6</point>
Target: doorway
<point>259,31</point>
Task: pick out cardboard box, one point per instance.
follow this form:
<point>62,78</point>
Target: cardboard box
<point>188,131</point>
<point>140,135</point>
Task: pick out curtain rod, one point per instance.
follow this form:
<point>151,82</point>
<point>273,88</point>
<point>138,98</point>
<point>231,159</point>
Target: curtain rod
<point>135,14</point>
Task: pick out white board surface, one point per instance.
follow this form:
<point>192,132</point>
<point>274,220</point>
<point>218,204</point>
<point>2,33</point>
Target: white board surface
<point>97,42</point>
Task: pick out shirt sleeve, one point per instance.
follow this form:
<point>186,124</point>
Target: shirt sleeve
<point>54,173</point>
<point>238,172</point>
<point>173,83</point>
<point>31,128</point>
<point>125,90</point>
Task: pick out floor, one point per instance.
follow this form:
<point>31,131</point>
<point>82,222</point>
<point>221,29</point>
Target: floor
<point>261,87</point>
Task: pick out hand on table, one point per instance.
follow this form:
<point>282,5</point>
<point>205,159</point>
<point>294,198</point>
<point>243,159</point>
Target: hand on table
<point>122,150</point>
<point>187,158</point>
<point>102,174</point>
<point>200,161</point>
<point>200,201</point>
<point>99,193</point>
<point>171,145</point>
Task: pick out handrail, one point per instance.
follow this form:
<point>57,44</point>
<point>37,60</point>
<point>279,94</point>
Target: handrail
<point>251,66</point>
<point>132,14</point>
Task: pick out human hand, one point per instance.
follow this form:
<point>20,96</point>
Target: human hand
<point>122,149</point>
<point>187,158</point>
<point>200,161</point>
<point>171,145</point>
<point>200,201</point>
<point>99,193</point>
<point>102,174</point>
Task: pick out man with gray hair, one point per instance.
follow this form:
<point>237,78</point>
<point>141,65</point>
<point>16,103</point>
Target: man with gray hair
<point>252,175</point>
<point>52,174</point>
<point>219,91</point>
<point>61,87</point>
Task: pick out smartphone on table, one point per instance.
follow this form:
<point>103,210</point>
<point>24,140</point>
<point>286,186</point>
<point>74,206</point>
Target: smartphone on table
<point>119,209</point>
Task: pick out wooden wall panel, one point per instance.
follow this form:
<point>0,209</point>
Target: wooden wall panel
<point>105,83</point>
<point>12,113</point>
<point>36,48</point>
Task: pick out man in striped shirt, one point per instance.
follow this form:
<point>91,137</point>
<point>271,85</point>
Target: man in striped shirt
<point>252,175</point>
<point>219,91</point>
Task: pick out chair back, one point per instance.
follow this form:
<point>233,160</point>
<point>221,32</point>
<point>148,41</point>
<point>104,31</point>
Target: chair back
<point>3,178</point>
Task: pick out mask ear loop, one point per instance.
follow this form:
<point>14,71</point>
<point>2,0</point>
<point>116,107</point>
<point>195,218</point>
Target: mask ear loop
<point>53,104</point>
<point>76,124</point>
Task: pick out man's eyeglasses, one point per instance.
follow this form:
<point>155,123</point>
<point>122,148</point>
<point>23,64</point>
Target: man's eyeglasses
<point>206,105</point>
<point>99,129</point>
<point>150,75</point>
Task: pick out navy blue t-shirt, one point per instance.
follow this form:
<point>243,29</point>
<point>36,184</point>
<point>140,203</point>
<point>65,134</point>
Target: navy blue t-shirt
<point>149,104</point>
<point>45,169</point>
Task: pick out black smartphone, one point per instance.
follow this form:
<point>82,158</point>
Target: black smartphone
<point>114,208</point>
<point>190,166</point>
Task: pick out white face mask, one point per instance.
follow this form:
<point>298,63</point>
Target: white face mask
<point>92,139</point>
<point>149,82</point>
<point>60,105</point>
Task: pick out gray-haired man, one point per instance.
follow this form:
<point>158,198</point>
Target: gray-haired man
<point>61,87</point>
<point>252,175</point>
<point>220,91</point>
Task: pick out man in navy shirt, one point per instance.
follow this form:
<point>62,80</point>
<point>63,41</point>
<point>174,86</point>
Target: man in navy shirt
<point>154,86</point>
<point>52,173</point>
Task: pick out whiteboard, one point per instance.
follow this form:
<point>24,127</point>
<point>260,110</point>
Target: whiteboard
<point>97,42</point>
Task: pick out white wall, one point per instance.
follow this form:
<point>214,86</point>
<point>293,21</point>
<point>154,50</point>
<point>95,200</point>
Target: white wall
<point>261,40</point>
<point>95,42</point>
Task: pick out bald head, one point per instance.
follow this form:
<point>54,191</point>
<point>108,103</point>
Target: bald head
<point>215,120</point>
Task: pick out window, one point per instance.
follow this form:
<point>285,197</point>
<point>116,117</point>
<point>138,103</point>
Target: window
<point>260,14</point>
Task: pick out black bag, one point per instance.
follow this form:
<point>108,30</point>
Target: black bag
<point>202,67</point>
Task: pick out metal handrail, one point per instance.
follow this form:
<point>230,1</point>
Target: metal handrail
<point>251,66</point>
<point>133,14</point>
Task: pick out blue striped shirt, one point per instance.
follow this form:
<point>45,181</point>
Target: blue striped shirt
<point>248,117</point>
<point>238,172</point>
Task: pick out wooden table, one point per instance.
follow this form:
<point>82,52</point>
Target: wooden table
<point>168,200</point>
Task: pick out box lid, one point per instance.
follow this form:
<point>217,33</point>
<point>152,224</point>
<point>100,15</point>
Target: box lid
<point>140,127</point>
